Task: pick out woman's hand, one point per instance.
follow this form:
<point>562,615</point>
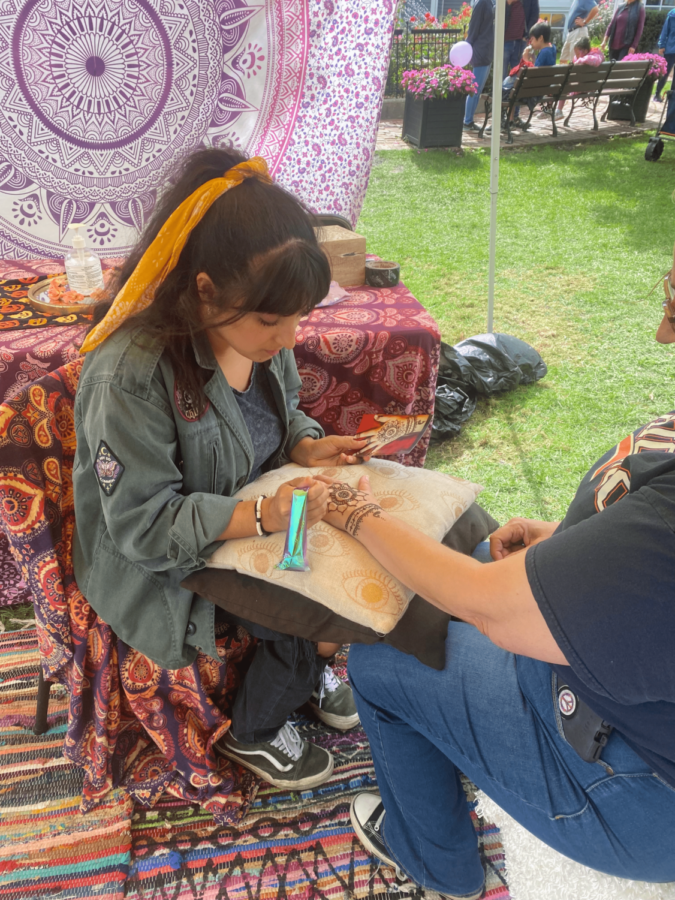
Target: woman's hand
<point>518,534</point>
<point>348,506</point>
<point>335,450</point>
<point>276,510</point>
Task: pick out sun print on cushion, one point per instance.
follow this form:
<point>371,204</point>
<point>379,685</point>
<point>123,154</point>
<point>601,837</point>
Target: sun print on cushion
<point>343,575</point>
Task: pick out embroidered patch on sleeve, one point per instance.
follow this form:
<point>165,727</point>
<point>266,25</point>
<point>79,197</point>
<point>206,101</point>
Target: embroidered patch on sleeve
<point>108,468</point>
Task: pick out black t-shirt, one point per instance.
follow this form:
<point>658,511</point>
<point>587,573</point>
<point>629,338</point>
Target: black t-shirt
<point>606,587</point>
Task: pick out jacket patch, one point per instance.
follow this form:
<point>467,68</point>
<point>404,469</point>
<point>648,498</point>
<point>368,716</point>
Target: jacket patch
<point>187,405</point>
<point>108,468</point>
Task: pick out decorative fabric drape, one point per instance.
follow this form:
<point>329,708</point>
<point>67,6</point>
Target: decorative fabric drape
<point>130,723</point>
<point>100,98</point>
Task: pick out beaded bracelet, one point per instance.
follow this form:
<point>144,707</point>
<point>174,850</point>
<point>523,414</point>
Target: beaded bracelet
<point>258,517</point>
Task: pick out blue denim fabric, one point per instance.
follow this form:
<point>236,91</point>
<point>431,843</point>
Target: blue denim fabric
<point>670,61</point>
<point>513,50</point>
<point>491,715</point>
<point>480,73</point>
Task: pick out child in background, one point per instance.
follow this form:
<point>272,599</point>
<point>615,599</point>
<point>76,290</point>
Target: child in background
<point>539,44</point>
<point>584,55</point>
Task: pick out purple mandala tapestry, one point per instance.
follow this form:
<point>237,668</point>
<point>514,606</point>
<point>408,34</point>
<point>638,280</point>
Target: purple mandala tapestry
<point>100,98</point>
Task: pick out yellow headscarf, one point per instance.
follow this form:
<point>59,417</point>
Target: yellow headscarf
<point>163,253</point>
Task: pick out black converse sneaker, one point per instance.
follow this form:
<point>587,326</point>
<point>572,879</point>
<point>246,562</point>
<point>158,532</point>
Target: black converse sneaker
<point>286,762</point>
<point>367,815</point>
<point>333,702</point>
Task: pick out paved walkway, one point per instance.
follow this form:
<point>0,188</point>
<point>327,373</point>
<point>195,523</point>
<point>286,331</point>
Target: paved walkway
<point>539,132</point>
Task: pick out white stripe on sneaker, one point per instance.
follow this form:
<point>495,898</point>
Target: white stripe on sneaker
<point>239,752</point>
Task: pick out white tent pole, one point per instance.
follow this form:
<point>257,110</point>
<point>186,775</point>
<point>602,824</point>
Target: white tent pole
<point>497,77</point>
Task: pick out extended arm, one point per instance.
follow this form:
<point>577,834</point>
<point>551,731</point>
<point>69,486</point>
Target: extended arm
<point>496,598</point>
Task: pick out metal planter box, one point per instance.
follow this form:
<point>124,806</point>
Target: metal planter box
<point>433,122</point>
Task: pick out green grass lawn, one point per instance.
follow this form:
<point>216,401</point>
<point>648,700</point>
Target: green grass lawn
<point>583,234</point>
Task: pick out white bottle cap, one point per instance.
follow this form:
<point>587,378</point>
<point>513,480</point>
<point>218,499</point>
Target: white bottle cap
<point>78,240</point>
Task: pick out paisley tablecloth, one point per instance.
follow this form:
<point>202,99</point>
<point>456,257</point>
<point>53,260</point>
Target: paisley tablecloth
<point>376,352</point>
<point>100,98</point>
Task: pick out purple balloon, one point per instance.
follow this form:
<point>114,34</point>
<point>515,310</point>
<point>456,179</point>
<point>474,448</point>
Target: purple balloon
<point>461,53</point>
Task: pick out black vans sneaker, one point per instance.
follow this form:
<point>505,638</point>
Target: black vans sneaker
<point>286,762</point>
<point>367,815</point>
<point>333,702</point>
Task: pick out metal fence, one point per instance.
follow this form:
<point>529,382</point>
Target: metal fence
<point>419,48</point>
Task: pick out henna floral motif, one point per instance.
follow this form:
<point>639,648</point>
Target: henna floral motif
<point>356,518</point>
<point>342,497</point>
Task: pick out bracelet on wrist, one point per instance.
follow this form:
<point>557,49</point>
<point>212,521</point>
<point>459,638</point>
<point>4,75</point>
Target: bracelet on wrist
<point>258,517</point>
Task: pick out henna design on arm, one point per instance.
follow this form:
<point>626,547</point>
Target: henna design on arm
<point>342,497</point>
<point>356,518</point>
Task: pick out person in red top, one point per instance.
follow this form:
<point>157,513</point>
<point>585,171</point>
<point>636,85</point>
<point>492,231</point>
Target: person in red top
<point>514,33</point>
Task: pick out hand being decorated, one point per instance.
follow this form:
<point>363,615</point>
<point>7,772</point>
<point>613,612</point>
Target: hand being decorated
<point>348,507</point>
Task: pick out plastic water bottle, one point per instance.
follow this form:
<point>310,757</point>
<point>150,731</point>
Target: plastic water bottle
<point>83,267</point>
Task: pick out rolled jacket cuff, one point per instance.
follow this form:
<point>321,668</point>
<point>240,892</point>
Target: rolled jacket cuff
<point>201,520</point>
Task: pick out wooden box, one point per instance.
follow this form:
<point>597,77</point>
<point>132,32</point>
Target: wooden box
<point>346,252</point>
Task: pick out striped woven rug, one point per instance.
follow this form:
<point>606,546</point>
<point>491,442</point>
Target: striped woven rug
<point>289,846</point>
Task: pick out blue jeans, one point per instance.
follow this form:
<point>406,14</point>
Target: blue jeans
<point>670,60</point>
<point>490,714</point>
<point>480,73</point>
<point>513,50</point>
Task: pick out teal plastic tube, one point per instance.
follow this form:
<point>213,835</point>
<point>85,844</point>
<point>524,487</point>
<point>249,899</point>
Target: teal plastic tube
<point>295,550</point>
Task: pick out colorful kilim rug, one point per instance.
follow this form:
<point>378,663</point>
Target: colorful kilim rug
<point>289,846</point>
<point>47,847</point>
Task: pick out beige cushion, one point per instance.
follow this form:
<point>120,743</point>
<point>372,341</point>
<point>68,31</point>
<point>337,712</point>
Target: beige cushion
<point>344,576</point>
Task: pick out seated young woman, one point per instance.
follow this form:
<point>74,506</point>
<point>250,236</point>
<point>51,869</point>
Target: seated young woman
<point>189,391</point>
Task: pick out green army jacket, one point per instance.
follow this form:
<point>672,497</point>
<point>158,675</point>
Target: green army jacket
<point>153,482</point>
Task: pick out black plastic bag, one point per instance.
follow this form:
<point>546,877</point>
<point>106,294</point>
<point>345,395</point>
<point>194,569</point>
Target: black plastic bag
<point>482,365</point>
<point>453,407</point>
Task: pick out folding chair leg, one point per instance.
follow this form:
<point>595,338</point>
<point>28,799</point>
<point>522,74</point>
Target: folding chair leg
<point>42,706</point>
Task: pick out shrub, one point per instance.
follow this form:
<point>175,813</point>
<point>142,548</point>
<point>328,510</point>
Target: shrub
<point>598,26</point>
<point>653,24</point>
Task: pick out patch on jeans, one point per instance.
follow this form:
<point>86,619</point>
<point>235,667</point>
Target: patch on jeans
<point>567,702</point>
<point>108,469</point>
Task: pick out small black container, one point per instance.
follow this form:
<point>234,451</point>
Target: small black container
<point>433,122</point>
<point>382,274</point>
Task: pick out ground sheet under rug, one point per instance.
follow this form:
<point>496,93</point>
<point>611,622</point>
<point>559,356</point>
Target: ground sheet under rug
<point>289,846</point>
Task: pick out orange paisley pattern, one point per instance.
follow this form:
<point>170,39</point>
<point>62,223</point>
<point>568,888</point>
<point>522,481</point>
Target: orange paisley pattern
<point>130,723</point>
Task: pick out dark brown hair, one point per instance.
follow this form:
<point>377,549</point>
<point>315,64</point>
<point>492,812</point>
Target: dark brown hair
<point>256,243</point>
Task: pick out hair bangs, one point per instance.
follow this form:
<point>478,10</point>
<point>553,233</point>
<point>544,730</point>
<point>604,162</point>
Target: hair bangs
<point>292,279</point>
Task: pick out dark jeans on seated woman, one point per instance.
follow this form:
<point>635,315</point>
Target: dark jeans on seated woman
<point>282,676</point>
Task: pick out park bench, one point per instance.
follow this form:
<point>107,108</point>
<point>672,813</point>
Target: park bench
<point>581,85</point>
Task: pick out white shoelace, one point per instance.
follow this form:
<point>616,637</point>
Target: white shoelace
<point>289,742</point>
<point>329,683</point>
